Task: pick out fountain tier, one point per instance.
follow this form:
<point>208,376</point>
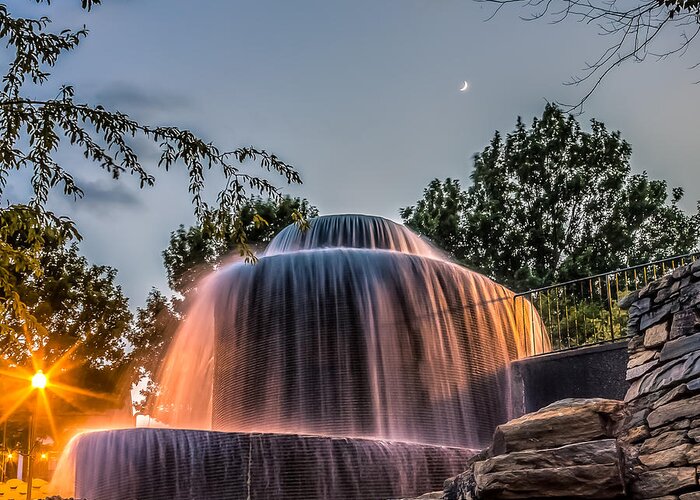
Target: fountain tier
<point>151,464</point>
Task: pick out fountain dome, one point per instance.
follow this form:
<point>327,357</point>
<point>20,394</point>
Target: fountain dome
<point>354,345</point>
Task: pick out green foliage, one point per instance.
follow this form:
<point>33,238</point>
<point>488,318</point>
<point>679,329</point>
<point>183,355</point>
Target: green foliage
<point>25,233</point>
<point>82,313</point>
<point>58,311</point>
<point>552,202</point>
<point>196,251</point>
<point>34,129</point>
<point>150,337</point>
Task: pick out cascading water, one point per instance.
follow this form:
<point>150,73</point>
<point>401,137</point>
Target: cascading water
<point>354,331</point>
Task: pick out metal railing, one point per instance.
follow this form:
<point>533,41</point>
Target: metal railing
<point>585,311</point>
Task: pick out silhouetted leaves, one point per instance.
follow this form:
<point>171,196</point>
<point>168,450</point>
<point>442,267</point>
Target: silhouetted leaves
<point>552,202</point>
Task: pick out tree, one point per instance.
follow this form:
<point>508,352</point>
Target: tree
<point>33,129</point>
<point>150,337</point>
<point>78,331</point>
<point>199,249</point>
<point>635,28</point>
<point>552,202</point>
<point>192,253</point>
<point>82,313</point>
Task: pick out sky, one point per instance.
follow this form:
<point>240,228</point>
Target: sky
<point>361,96</point>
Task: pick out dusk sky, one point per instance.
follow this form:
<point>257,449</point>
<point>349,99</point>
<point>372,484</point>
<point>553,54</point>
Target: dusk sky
<point>361,96</point>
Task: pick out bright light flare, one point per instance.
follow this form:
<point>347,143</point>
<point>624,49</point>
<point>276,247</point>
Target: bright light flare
<point>39,380</point>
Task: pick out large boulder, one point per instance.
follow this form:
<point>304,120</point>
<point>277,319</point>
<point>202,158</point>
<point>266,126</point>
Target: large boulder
<point>581,470</point>
<point>564,422</point>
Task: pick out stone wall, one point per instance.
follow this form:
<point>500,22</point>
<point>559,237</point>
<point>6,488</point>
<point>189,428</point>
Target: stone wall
<point>647,447</point>
<point>661,441</point>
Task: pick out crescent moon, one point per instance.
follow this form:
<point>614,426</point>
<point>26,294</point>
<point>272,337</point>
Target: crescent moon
<point>465,87</point>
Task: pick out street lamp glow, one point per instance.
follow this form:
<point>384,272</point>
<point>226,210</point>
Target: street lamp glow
<point>39,380</point>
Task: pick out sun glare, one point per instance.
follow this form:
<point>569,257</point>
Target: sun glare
<point>39,380</point>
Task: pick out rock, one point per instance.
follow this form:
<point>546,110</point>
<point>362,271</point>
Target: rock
<point>677,425</point>
<point>674,372</point>
<point>640,370</point>
<point>435,495</point>
<point>695,266</point>
<point>637,418</point>
<point>629,299</point>
<point>694,434</point>
<point>602,452</point>
<point>635,434</point>
<point>664,481</point>
<point>666,293</point>
<point>680,272</point>
<point>636,344</point>
<point>663,442</point>
<point>672,457</point>
<point>640,358</point>
<point>656,335</point>
<point>672,395</point>
<point>695,495</point>
<point>561,423</point>
<point>583,481</point>
<point>667,497</point>
<point>693,455</point>
<point>655,316</point>
<point>648,289</point>
<point>683,323</point>
<point>674,411</point>
<point>680,347</point>
<point>462,485</point>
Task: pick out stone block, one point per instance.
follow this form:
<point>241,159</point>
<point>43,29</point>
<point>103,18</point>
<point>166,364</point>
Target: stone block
<point>636,344</point>
<point>690,295</point>
<point>672,395</point>
<point>684,323</point>
<point>667,293</point>
<point>680,347</point>
<point>680,272</point>
<point>629,299</point>
<point>671,457</point>
<point>664,481</point>
<point>693,455</point>
<point>561,423</point>
<point>695,266</point>
<point>582,481</point>
<point>654,317</point>
<point>675,426</point>
<point>663,441</point>
<point>675,410</point>
<point>635,434</point>
<point>694,434</point>
<point>603,451</point>
<point>656,335</point>
<point>640,358</point>
<point>672,373</point>
<point>640,370</point>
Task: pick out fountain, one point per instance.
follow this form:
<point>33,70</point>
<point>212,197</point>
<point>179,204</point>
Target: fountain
<point>352,361</point>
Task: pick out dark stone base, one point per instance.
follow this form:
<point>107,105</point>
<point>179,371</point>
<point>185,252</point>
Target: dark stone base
<point>154,464</point>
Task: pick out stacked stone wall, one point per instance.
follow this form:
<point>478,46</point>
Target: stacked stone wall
<point>661,440</point>
<point>645,448</point>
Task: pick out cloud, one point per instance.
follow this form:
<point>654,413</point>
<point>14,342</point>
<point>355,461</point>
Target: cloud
<point>126,97</point>
<point>108,194</point>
